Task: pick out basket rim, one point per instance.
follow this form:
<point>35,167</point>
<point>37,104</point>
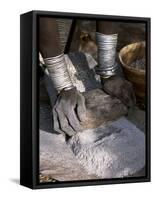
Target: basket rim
<point>141,71</point>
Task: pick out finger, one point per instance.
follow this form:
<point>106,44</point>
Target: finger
<point>56,126</point>
<point>81,107</point>
<point>73,120</point>
<point>64,125</point>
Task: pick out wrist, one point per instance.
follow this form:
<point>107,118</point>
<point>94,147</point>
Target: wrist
<point>69,88</point>
<point>105,79</point>
<point>58,72</point>
<point>106,54</point>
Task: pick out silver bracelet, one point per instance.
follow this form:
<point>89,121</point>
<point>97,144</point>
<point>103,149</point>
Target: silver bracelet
<point>57,69</point>
<point>106,54</point>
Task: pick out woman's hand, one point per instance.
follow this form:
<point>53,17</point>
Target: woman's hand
<point>68,111</point>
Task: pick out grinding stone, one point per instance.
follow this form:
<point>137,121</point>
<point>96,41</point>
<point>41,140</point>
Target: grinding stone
<point>101,108</point>
<point>111,151</point>
<point>116,149</point>
<point>110,147</point>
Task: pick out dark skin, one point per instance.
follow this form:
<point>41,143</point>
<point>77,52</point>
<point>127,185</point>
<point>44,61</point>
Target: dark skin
<point>49,44</point>
<point>106,27</point>
<point>116,86</point>
<point>69,109</point>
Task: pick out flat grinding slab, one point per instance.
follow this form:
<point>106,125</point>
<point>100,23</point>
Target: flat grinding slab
<point>110,146</point>
<point>110,151</point>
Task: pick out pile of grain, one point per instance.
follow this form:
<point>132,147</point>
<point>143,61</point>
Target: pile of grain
<point>139,64</point>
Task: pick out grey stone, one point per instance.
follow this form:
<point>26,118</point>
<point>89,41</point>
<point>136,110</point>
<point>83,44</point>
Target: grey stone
<point>114,150</point>
<point>110,147</point>
<point>58,161</point>
<point>56,158</point>
<point>101,108</point>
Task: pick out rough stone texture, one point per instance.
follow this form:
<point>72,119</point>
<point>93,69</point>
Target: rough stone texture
<point>84,75</point>
<point>137,117</point>
<point>56,158</point>
<point>102,108</point>
<point>110,151</point>
<point>124,142</point>
<point>58,161</point>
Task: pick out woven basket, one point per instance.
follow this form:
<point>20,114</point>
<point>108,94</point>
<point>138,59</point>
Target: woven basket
<point>136,76</point>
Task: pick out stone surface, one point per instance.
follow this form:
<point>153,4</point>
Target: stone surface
<point>81,69</point>
<point>82,157</point>
<point>110,151</point>
<point>57,161</point>
<point>101,108</point>
<point>137,117</point>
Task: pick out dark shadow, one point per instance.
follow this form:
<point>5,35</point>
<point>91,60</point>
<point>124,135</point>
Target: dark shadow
<point>84,72</point>
<point>45,120</point>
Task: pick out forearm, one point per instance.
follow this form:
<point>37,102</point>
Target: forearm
<point>49,42</point>
<point>50,48</point>
<point>106,38</point>
<point>107,27</point>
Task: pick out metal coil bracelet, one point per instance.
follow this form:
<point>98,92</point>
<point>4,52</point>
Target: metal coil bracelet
<point>106,54</point>
<point>57,69</point>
